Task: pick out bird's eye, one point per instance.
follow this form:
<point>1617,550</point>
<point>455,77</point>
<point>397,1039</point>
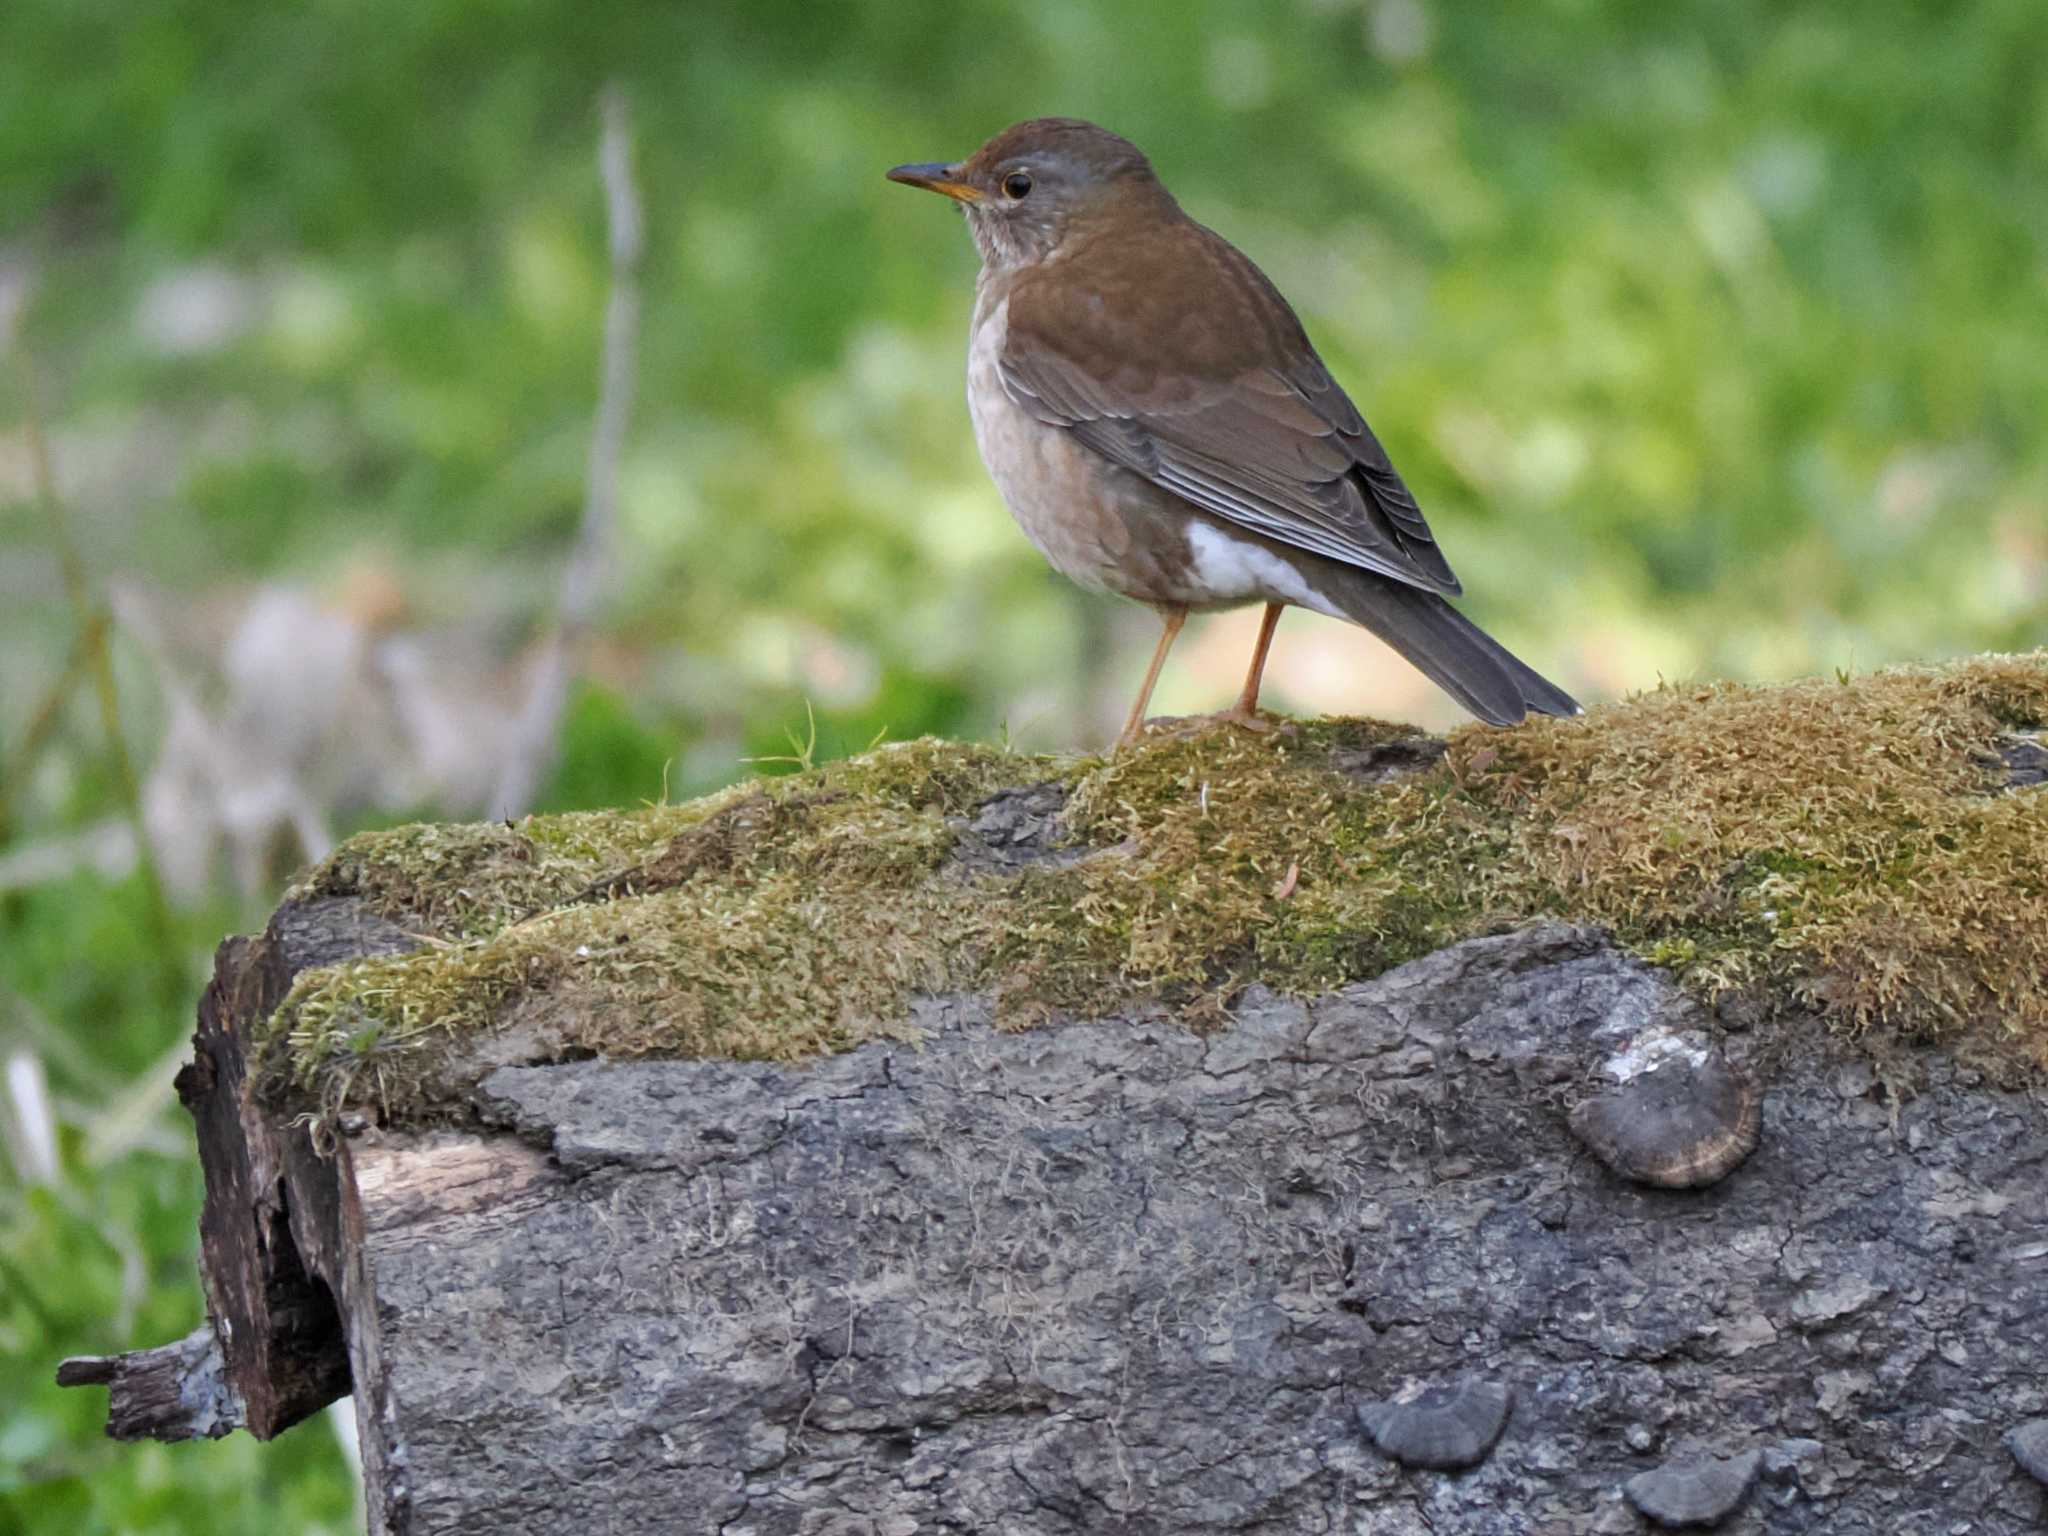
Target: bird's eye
<point>1017,185</point>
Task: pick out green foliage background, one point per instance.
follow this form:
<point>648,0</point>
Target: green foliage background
<point>1712,334</point>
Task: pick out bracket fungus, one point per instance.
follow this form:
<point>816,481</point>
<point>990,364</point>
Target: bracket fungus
<point>1681,1115</point>
<point>1694,1495</point>
<point>1441,1428</point>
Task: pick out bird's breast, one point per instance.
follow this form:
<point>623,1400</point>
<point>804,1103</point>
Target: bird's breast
<point>1061,494</point>
<point>1097,523</point>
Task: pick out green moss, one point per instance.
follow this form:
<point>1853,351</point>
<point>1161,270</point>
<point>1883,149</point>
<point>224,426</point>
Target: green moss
<point>471,879</point>
<point>932,775</point>
<point>1844,845</point>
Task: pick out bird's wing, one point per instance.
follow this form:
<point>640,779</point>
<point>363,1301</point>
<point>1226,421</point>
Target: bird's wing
<point>1224,401</point>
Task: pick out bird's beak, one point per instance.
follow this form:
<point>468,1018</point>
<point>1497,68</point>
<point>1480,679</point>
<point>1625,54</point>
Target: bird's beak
<point>935,177</point>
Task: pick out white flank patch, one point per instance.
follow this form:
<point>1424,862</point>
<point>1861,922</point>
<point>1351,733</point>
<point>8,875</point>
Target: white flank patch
<point>1236,568</point>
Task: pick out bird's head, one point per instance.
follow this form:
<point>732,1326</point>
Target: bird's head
<point>1029,186</point>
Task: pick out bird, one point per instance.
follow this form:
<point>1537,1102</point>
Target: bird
<point>1159,424</point>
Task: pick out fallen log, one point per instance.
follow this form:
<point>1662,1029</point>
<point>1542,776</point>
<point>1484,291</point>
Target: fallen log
<point>1228,1138</point>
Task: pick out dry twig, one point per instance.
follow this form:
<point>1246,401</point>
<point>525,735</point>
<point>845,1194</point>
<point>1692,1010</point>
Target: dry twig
<point>533,737</point>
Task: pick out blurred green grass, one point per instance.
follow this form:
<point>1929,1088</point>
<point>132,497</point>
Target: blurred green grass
<point>1709,334</point>
<point>102,1258</point>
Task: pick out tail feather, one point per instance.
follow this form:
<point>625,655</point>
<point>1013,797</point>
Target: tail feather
<point>1451,651</point>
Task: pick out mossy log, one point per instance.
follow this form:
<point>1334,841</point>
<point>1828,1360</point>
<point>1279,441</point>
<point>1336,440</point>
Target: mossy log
<point>1190,1142</point>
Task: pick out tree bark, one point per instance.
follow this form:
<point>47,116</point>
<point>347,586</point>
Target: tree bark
<point>1118,1275</point>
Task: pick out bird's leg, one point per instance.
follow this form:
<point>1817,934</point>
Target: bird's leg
<point>1246,711</point>
<point>1244,714</point>
<point>1174,617</point>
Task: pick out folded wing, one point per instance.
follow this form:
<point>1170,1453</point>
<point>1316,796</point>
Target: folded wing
<point>1234,412</point>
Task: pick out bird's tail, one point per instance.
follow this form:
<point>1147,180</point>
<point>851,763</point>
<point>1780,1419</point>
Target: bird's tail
<point>1451,651</point>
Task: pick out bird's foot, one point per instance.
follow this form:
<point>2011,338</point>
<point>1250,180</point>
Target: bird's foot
<point>1243,719</point>
<point>1246,718</point>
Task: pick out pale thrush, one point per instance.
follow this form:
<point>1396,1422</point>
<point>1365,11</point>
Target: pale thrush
<point>1152,411</point>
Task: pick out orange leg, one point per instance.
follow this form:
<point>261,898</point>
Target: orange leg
<point>1247,710</point>
<point>1174,618</point>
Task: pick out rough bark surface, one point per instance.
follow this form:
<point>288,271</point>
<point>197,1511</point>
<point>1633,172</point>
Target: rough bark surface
<point>1118,1276</point>
<point>1115,1276</point>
